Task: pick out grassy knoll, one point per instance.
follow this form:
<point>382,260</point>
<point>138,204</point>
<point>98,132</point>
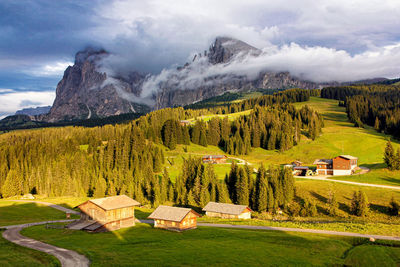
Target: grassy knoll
<point>12,212</point>
<point>339,137</point>
<point>142,245</point>
<point>231,116</point>
<point>16,256</point>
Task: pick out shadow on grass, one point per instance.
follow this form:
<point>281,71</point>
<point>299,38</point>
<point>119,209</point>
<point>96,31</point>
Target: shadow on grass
<point>379,208</point>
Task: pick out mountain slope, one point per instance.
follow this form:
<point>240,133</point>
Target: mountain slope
<point>84,92</point>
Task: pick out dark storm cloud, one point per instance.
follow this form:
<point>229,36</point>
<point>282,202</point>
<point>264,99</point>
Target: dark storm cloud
<point>44,29</point>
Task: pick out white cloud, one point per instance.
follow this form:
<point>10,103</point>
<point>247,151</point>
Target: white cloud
<point>49,69</point>
<point>10,102</point>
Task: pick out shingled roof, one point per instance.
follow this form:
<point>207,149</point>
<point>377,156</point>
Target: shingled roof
<point>322,161</point>
<point>174,214</point>
<point>225,208</point>
<point>115,202</point>
<point>348,157</point>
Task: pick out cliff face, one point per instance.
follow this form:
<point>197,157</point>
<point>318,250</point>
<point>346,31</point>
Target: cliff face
<point>85,93</point>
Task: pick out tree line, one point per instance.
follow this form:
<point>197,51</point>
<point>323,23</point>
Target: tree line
<point>374,105</point>
<point>272,127</point>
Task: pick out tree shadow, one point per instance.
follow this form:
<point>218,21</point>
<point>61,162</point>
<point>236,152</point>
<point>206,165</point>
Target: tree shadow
<point>379,208</point>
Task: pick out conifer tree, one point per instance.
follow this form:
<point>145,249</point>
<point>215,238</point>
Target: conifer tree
<point>389,156</point>
<point>222,193</point>
<point>333,208</point>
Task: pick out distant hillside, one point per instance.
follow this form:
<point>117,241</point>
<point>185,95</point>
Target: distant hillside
<point>33,111</point>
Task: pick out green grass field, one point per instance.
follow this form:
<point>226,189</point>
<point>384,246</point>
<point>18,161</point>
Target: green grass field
<point>144,246</point>
<point>12,255</point>
<point>12,212</point>
<point>231,116</point>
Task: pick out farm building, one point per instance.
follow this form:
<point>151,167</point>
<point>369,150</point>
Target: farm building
<point>300,170</point>
<point>344,165</point>
<point>214,159</point>
<point>324,166</point>
<point>227,211</point>
<point>296,163</point>
<point>174,218</point>
<point>340,165</point>
<point>106,214</point>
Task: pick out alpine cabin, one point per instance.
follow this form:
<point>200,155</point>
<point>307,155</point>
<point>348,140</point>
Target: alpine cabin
<point>227,211</point>
<point>106,214</point>
<point>174,218</point>
<point>340,165</point>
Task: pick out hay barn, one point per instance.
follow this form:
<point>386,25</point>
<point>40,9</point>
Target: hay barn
<point>106,214</point>
<point>174,218</point>
<point>227,211</point>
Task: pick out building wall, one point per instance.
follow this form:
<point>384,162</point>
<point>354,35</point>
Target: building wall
<point>245,215</point>
<point>221,215</point>
<point>340,163</point>
<point>189,222</point>
<point>91,211</point>
<point>341,172</point>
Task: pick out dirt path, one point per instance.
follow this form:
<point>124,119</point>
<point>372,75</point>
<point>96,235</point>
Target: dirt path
<point>349,182</point>
<point>51,205</point>
<point>68,258</point>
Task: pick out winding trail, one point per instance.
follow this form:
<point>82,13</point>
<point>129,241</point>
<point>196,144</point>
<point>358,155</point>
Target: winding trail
<point>68,258</point>
<point>348,182</point>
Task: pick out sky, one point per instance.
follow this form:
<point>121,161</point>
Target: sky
<point>318,40</point>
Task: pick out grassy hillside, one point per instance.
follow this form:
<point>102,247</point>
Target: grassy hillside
<point>143,246</point>
<point>12,212</point>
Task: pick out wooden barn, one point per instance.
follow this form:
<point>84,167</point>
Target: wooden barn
<point>344,165</point>
<point>106,214</point>
<point>215,159</point>
<point>174,218</point>
<point>227,211</point>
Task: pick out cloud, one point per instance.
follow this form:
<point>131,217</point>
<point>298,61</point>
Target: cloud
<point>317,40</point>
<point>11,101</point>
<point>50,69</point>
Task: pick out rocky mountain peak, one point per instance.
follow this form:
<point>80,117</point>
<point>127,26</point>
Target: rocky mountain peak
<point>89,53</point>
<point>224,48</point>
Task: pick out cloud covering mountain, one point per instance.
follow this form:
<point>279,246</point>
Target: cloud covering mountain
<point>321,41</point>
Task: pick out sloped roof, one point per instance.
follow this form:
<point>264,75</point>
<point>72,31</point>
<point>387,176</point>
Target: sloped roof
<point>225,208</point>
<point>348,157</point>
<point>115,202</point>
<point>168,213</point>
<point>322,161</point>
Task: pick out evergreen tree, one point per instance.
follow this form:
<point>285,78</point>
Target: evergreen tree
<point>389,156</point>
<point>222,193</point>
<point>333,205</point>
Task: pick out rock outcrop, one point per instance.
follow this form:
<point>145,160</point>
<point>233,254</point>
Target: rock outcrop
<point>84,92</point>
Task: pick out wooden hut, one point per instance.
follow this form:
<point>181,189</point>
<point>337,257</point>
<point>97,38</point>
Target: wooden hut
<point>174,218</point>
<point>227,211</point>
<point>106,214</point>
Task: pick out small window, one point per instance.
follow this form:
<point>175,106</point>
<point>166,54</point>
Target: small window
<point>173,223</point>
